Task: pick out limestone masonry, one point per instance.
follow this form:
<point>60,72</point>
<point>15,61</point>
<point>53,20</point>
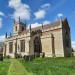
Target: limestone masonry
<point>51,40</point>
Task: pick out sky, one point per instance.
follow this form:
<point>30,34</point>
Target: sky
<point>36,12</point>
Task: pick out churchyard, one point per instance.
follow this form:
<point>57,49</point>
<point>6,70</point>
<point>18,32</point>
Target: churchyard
<point>38,66</point>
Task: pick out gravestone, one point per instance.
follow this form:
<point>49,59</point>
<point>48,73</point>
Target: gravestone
<point>1,54</point>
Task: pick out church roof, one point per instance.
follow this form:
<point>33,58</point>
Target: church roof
<point>64,22</point>
<point>47,26</point>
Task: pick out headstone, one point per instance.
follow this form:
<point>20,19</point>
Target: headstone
<point>1,54</point>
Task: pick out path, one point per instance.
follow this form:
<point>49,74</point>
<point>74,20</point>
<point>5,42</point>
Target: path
<point>16,68</point>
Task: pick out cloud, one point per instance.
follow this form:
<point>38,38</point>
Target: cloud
<point>14,3</point>
<point>20,10</point>
<point>1,13</point>
<point>2,37</point>
<point>40,14</point>
<point>73,45</point>
<point>46,22</point>
<point>60,15</point>
<point>36,24</point>
<point>42,11</point>
<point>46,6</point>
<point>0,22</point>
<point>33,25</point>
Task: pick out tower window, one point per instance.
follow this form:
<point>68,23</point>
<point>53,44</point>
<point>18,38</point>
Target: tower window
<point>22,28</point>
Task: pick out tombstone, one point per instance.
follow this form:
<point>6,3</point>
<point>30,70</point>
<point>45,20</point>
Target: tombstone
<point>1,54</point>
<point>42,55</point>
<point>1,57</point>
<point>28,57</point>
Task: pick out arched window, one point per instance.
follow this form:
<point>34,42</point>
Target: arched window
<point>37,45</point>
<point>22,45</point>
<point>10,47</point>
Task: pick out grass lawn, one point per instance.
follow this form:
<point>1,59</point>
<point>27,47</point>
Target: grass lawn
<point>39,66</point>
<point>4,66</point>
<point>16,68</point>
<point>50,66</point>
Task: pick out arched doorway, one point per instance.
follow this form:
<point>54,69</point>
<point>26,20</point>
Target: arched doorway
<point>37,46</point>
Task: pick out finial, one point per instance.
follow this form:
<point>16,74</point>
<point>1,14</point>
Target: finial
<point>25,22</point>
<point>6,35</point>
<point>10,34</point>
<point>14,21</point>
<point>42,26</point>
<point>19,19</point>
<point>30,27</point>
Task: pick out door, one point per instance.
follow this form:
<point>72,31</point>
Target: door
<point>37,45</point>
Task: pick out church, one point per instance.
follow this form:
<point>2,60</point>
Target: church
<point>52,40</point>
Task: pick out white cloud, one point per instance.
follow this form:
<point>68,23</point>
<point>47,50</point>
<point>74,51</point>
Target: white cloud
<point>42,11</point>
<point>33,25</point>
<point>20,10</point>
<point>46,6</point>
<point>2,37</point>
<point>46,22</point>
<point>73,42</point>
<point>36,24</point>
<point>40,14</point>
<point>14,3</point>
<point>0,22</point>
<point>73,45</point>
<point>1,13</point>
<point>60,15</point>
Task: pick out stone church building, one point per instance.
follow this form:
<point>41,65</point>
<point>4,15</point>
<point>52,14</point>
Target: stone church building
<point>51,39</point>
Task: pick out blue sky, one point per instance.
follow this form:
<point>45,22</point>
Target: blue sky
<point>36,12</point>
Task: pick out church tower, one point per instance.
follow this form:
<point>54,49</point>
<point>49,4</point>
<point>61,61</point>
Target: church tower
<point>18,27</point>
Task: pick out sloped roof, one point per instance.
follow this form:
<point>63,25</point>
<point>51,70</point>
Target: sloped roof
<point>47,26</point>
